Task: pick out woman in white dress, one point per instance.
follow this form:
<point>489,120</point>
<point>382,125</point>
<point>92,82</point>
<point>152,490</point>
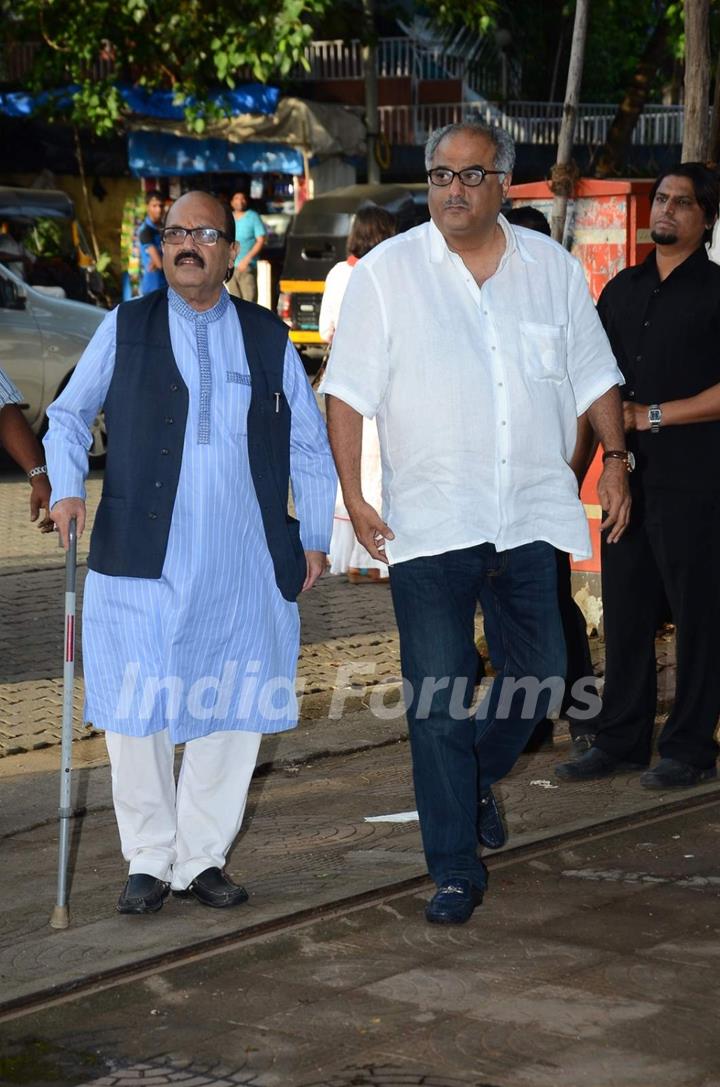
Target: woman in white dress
<point>371,226</point>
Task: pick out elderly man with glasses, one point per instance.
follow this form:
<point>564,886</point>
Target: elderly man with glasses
<point>476,346</point>
<point>190,626</point>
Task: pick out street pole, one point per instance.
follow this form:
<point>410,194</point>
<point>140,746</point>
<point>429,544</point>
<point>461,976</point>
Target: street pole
<point>372,115</point>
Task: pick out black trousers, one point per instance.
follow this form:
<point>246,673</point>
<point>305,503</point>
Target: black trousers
<point>672,546</point>
<point>579,661</point>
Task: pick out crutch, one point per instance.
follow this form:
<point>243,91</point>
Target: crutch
<point>60,917</point>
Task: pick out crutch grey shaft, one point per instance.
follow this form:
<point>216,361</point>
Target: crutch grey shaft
<point>61,914</point>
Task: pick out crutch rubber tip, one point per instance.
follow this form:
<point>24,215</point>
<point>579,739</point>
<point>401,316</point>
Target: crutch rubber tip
<point>60,917</point>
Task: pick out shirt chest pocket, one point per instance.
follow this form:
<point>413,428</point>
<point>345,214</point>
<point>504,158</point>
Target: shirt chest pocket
<point>544,350</point>
<point>238,391</point>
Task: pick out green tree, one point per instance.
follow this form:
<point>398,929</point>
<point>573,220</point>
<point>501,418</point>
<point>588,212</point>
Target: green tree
<point>187,46</point>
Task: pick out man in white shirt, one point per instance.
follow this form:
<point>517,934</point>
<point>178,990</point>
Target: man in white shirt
<point>475,346</point>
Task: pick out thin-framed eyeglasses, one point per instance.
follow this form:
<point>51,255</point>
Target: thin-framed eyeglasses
<point>201,235</point>
<point>472,176</point>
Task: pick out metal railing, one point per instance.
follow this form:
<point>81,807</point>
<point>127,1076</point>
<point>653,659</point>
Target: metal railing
<point>530,122</point>
<point>16,61</point>
<point>399,57</point>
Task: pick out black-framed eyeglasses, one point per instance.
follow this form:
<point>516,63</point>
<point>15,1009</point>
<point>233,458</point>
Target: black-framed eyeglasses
<point>472,176</point>
<point>201,235</point>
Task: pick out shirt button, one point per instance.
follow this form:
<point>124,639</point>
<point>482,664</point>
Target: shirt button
<point>500,384</point>
<point>158,483</point>
<point>503,423</point>
<point>485,313</point>
<point>503,461</point>
<point>645,324</point>
<point>638,358</point>
<point>152,516</point>
<point>493,348</point>
<point>169,419</point>
<point>174,387</point>
<point>656,291</point>
<point>164,452</point>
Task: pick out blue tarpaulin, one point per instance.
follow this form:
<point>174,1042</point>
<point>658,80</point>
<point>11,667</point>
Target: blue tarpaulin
<point>161,154</point>
<point>250,98</point>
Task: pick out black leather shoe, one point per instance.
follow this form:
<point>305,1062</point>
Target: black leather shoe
<point>214,888</point>
<point>673,774</point>
<point>490,827</point>
<point>142,894</point>
<point>453,903</point>
<point>581,744</point>
<point>594,764</point>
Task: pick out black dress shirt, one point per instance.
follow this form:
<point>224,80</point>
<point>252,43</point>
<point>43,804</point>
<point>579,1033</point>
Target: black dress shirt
<point>666,339</point>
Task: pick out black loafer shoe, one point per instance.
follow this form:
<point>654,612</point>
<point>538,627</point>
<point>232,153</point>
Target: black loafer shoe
<point>214,888</point>
<point>595,764</point>
<point>453,903</point>
<point>142,894</point>
<point>490,827</point>
<point>581,744</point>
<point>673,774</point>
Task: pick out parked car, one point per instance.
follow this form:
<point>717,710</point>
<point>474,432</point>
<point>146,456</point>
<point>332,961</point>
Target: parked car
<point>41,340</point>
<point>317,240</point>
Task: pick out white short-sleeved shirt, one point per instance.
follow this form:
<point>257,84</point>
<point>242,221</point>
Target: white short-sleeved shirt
<point>335,286</point>
<point>476,390</point>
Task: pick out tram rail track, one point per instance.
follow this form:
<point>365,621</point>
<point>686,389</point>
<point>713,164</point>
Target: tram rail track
<point>198,950</point>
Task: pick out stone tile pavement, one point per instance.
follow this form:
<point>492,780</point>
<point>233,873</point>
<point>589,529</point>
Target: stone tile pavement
<point>342,625</point>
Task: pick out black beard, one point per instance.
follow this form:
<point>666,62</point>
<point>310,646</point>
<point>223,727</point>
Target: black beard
<point>663,239</point>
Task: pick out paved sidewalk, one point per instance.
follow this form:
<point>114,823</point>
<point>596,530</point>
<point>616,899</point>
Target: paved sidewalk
<point>306,842</point>
<point>590,966</point>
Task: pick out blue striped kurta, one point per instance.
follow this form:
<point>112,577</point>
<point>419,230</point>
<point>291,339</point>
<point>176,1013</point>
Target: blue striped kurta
<point>212,645</point>
<point>9,393</point>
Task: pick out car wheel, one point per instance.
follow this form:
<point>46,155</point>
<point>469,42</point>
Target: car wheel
<point>98,449</point>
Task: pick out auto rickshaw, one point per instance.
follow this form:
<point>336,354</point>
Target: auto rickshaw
<point>43,236</point>
<point>316,241</point>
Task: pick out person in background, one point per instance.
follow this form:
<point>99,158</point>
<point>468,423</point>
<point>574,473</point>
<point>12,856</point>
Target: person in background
<point>662,318</point>
<point>153,277</point>
<point>371,226</point>
<point>579,661</point>
<point>250,234</point>
<point>20,443</point>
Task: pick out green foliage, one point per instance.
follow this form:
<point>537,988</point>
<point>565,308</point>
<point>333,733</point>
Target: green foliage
<point>187,46</point>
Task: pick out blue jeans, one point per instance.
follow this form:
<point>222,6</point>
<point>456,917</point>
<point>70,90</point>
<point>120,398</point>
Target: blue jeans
<point>457,755</point>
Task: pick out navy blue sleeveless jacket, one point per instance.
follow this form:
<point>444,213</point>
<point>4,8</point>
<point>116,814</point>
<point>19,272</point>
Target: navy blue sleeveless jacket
<point>146,414</point>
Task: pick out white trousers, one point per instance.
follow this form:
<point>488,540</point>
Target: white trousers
<point>176,833</point>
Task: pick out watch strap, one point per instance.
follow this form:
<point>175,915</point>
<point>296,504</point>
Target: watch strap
<point>655,418</point>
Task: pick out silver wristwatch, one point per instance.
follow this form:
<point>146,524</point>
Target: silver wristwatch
<point>654,418</point>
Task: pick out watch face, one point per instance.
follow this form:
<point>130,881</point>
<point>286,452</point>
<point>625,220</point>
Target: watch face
<point>655,415</point>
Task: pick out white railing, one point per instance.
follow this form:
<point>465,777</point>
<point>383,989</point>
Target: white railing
<point>396,58</point>
<point>530,122</point>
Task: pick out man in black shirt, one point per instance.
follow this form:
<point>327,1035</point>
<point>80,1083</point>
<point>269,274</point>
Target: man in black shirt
<point>663,321</point>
